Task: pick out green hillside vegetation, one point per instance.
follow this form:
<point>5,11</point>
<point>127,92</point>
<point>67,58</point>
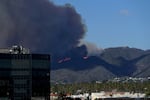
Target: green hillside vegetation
<point>142,87</point>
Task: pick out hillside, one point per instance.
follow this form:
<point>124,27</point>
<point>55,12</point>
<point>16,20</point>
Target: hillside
<point>112,62</point>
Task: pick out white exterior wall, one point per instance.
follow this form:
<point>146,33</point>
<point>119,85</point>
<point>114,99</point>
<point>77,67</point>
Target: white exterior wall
<point>116,95</point>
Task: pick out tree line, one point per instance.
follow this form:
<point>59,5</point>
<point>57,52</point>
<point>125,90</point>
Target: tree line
<point>134,87</point>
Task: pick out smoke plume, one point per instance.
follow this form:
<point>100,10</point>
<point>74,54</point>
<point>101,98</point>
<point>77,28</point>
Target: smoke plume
<point>40,26</point>
<point>92,49</point>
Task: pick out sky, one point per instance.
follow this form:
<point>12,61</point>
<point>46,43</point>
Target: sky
<point>114,23</point>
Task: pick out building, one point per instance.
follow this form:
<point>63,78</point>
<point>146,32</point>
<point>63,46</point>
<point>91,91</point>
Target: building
<point>24,76</point>
<point>117,96</point>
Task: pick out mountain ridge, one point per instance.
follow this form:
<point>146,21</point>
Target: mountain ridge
<point>114,62</point>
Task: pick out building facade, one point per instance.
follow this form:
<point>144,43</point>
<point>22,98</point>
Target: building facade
<point>24,76</point>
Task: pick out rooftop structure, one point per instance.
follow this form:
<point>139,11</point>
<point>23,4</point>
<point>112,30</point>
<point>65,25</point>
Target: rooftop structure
<point>15,50</point>
<point>24,76</point>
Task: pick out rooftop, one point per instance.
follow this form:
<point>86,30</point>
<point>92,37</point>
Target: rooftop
<point>15,50</point>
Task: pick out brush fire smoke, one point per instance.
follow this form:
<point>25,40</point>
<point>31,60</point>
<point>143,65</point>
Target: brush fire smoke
<point>78,52</point>
<point>43,27</point>
<point>40,25</point>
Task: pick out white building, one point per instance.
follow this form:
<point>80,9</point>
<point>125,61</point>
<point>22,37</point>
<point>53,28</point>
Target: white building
<point>116,95</point>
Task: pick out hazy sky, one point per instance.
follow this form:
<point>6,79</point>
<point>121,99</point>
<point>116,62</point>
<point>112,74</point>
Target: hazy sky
<point>113,23</point>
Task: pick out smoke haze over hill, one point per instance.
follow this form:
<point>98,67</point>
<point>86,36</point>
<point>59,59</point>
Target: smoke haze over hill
<point>44,27</point>
<point>40,26</point>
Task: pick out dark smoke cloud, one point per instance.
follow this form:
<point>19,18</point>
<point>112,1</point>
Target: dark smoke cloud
<point>78,52</point>
<point>40,26</point>
<point>92,49</point>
